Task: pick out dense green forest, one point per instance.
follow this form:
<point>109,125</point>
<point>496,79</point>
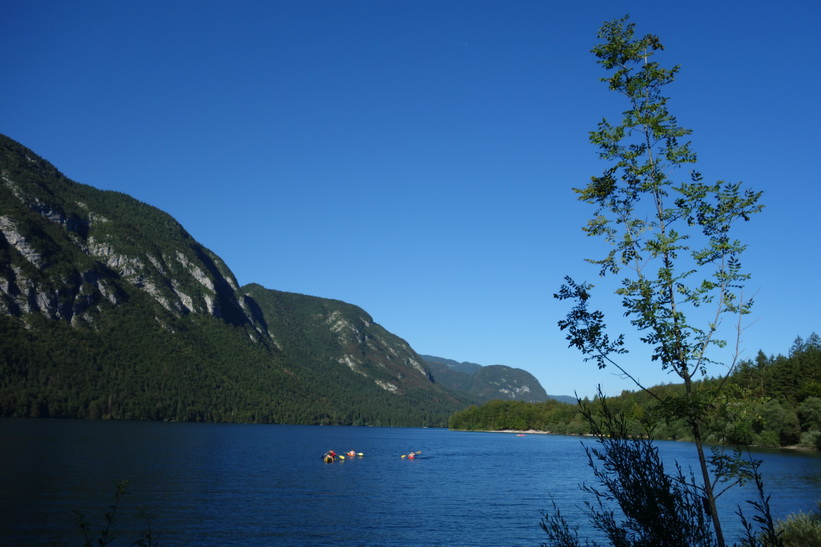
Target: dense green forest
<point>110,309</point>
<point>200,371</point>
<point>768,401</point>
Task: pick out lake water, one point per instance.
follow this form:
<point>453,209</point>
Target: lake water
<point>228,484</point>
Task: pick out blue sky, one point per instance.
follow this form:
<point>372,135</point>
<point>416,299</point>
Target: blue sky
<point>416,158</point>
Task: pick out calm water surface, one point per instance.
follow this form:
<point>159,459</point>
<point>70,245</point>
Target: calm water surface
<point>228,484</point>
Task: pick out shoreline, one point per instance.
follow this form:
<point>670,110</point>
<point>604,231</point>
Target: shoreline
<point>517,431</point>
<point>794,447</point>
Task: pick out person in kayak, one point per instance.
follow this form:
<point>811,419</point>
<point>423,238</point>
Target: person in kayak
<point>329,456</point>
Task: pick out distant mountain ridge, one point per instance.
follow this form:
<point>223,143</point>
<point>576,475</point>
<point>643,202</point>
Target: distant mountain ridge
<point>489,382</point>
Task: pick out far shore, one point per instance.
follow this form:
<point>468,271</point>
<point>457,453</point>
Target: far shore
<point>539,432</point>
<point>529,432</point>
<point>519,431</point>
<point>526,431</point>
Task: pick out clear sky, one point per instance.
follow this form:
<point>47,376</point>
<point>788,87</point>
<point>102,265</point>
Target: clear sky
<point>416,158</point>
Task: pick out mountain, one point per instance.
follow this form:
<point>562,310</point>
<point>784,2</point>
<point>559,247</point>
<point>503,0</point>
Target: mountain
<point>487,382</point>
<point>109,308</point>
<point>569,399</point>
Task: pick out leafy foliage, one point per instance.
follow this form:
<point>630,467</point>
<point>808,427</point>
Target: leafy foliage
<point>637,502</point>
<point>648,219</point>
<point>108,533</point>
<point>669,239</point>
<point>801,530</point>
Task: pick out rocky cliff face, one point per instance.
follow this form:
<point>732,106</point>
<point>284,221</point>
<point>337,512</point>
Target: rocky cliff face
<point>343,334</point>
<point>70,250</point>
<point>503,382</point>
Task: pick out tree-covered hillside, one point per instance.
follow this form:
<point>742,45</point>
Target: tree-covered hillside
<point>771,401</point>
<point>486,382</point>
<point>109,308</point>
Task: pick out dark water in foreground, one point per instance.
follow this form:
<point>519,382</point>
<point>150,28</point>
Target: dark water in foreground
<point>227,484</point>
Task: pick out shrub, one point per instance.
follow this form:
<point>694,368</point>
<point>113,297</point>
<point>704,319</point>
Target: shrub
<point>801,530</point>
<point>811,439</point>
<point>767,438</point>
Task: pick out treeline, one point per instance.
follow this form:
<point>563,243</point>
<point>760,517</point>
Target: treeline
<point>768,401</point>
<point>194,369</point>
<point>499,415</point>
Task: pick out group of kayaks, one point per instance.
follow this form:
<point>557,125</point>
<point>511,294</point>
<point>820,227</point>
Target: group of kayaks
<point>331,456</point>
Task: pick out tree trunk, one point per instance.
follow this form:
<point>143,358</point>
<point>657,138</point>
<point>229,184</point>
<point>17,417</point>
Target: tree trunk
<point>708,483</point>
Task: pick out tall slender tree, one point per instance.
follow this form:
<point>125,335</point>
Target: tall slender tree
<point>669,237</point>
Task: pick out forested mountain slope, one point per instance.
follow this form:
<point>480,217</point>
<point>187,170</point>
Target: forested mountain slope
<point>110,309</point>
<point>487,382</point>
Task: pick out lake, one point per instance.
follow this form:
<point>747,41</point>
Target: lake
<point>229,484</point>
